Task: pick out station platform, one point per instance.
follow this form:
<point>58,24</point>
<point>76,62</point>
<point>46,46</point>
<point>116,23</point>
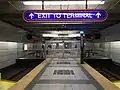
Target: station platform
<point>63,74</point>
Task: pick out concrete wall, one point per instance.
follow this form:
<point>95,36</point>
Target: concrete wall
<point>8,53</point>
<point>115,51</point>
<point>20,51</point>
<point>10,48</point>
<point>110,49</point>
<point>109,43</point>
<point>111,34</point>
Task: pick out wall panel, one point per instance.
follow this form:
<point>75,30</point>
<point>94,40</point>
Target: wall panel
<point>8,53</point>
<point>110,49</point>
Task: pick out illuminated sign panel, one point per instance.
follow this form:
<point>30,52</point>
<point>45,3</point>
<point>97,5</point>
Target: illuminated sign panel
<point>65,15</point>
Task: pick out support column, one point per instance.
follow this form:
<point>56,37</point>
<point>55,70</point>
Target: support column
<point>86,4</point>
<point>42,4</point>
<point>82,47</point>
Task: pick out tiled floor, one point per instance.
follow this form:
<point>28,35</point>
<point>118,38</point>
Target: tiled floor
<point>79,74</point>
<point>64,87</point>
<point>64,74</point>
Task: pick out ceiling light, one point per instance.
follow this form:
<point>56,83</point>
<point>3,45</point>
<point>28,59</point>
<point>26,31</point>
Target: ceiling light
<point>32,2</point>
<point>25,47</point>
<point>56,35</point>
<point>62,2</point>
<point>50,35</point>
<point>60,44</point>
<point>64,32</point>
<point>74,35</point>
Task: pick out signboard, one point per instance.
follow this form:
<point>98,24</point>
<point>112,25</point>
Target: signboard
<point>64,15</point>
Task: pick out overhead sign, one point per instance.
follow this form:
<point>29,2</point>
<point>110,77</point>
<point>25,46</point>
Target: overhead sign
<point>64,15</point>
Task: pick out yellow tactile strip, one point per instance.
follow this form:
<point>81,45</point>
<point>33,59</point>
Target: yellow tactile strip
<point>117,83</point>
<point>105,83</point>
<point>22,84</point>
<point>5,85</point>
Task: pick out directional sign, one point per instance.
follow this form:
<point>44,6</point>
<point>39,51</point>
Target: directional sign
<point>64,15</point>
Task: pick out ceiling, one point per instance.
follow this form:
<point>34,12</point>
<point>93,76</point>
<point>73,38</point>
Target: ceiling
<point>11,12</point>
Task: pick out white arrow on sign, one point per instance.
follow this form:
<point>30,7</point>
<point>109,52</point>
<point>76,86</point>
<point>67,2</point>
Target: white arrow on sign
<point>98,15</point>
<point>31,15</point>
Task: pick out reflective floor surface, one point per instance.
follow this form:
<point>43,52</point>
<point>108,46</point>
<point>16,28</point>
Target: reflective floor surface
<point>64,74</point>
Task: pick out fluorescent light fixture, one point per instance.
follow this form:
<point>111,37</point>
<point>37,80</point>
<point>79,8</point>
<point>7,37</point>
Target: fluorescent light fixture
<point>25,47</point>
<point>54,44</point>
<point>64,32</point>
<point>62,2</point>
<point>115,42</point>
<point>60,44</point>
<point>50,35</point>
<point>74,35</point>
<point>32,2</point>
<point>56,35</point>
<point>7,42</point>
<point>2,42</point>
